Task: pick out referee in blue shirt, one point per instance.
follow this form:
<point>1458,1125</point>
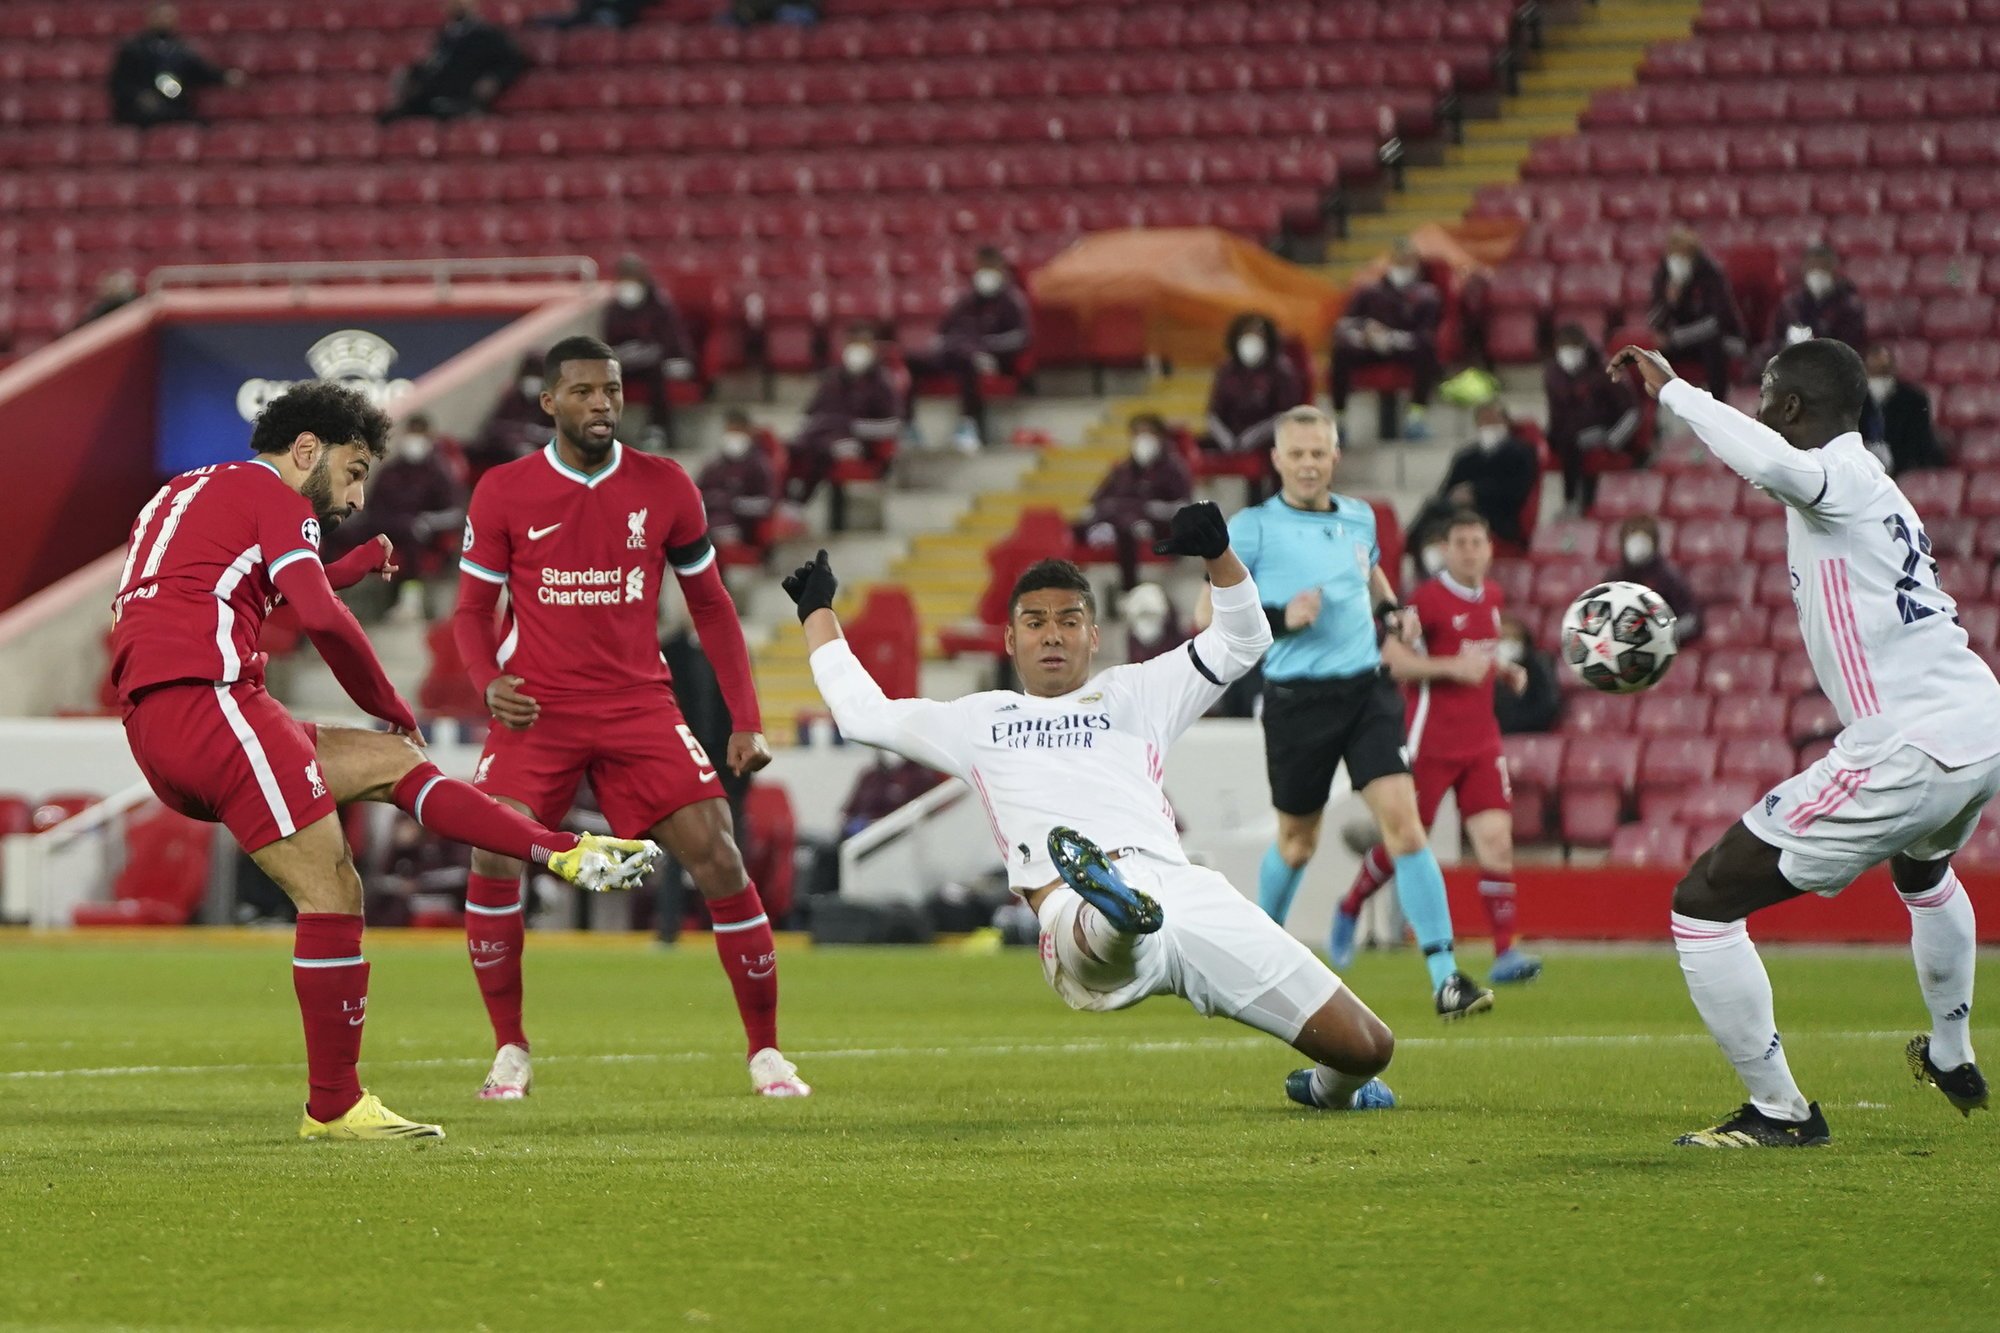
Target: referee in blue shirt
<point>1327,698</point>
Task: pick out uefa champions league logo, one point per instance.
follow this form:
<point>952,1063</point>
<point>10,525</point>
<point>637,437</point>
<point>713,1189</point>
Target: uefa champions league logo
<point>355,358</point>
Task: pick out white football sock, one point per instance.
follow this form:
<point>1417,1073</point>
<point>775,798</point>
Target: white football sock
<point>1732,992</point>
<point>1944,942</point>
<point>1103,959</point>
<point>1335,1090</point>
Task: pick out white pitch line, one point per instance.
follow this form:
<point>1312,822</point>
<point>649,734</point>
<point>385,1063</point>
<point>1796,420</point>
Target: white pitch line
<point>1017,1048</point>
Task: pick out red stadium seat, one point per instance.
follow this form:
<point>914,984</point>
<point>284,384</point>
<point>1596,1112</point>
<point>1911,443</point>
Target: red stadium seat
<point>1622,495</point>
<point>1704,540</point>
<point>1590,713</point>
<point>1649,845</point>
<point>1534,761</point>
<point>1765,760</point>
<point>1672,715</point>
<point>1812,717</point>
<point>1722,585</point>
<point>1606,763</point>
<point>1678,763</point>
<point>1721,802</point>
<point>1739,671</point>
<point>1734,627</point>
<point>1795,673</point>
<point>1934,495</point>
<point>1748,715</point>
<point>1711,495</point>
<point>1590,818</point>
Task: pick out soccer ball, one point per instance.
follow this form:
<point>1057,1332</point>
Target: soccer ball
<point>1619,637</point>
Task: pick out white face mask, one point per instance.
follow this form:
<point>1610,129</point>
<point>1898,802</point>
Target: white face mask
<point>1148,624</point>
<point>1250,349</point>
<point>1638,549</point>
<point>1146,449</point>
<point>1570,359</point>
<point>1798,333</point>
<point>1432,559</point>
<point>1491,437</point>
<point>1881,386</point>
<point>1819,282</point>
<point>531,386</point>
<point>1146,610</point>
<point>988,281</point>
<point>1508,651</point>
<point>1680,268</point>
<point>1402,275</point>
<point>413,448</point>
<point>629,292</point>
<point>858,358</point>
<point>735,444</point>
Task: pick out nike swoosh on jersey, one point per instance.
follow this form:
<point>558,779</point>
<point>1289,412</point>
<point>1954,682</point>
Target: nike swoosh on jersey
<point>536,534</point>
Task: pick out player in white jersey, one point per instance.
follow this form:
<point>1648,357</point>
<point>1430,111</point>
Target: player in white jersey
<point>1917,758</point>
<point>1074,764</point>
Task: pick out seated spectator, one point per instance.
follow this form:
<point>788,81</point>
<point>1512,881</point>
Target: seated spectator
<point>1823,305</point>
<point>750,13</point>
<point>1137,498</point>
<point>518,426</point>
<point>598,14</point>
<point>1494,475</point>
<point>1591,415</point>
<point>1538,704</point>
<point>115,290</point>
<point>854,415</point>
<point>1250,389</point>
<point>1392,322</point>
<point>984,333</point>
<point>736,485</point>
<point>155,75</point>
<point>1694,311</point>
<point>1642,561</point>
<point>470,65</point>
<point>646,330</point>
<point>1896,419</point>
<point>884,787</point>
<point>417,501</point>
<point>1151,626</point>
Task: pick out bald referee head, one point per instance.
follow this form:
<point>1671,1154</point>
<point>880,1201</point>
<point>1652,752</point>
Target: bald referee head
<point>1813,392</point>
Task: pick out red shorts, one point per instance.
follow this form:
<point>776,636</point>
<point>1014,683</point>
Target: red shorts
<point>1480,781</point>
<point>640,757</point>
<point>230,754</point>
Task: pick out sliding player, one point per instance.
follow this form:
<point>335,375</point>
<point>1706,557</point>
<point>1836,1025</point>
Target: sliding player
<point>211,553</point>
<point>1074,764</point>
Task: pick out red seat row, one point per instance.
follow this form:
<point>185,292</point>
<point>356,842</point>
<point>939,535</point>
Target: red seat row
<point>1817,16</point>
<point>1948,47</point>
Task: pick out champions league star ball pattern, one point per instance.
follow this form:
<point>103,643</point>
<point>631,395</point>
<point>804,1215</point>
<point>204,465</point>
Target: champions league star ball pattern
<point>1619,637</point>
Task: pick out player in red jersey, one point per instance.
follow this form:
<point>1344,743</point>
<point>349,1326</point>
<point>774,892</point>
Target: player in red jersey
<point>1454,737</point>
<point>579,536</point>
<point>211,554</point>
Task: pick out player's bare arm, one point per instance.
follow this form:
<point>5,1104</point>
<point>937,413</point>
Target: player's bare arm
<point>1407,664</point>
<point>1655,371</point>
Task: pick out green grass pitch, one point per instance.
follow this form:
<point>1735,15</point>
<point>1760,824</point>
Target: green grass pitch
<point>976,1155</point>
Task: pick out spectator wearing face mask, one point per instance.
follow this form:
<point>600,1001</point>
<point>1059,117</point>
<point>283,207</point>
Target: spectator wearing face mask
<point>1136,500</point>
<point>1823,305</point>
<point>646,331</point>
<point>1591,415</point>
<point>1494,475</point>
<point>736,485</point>
<point>518,426</point>
<point>1251,388</point>
<point>1538,704</point>
<point>417,501</point>
<point>1151,626</point>
<point>1896,419</point>
<point>1694,310</point>
<point>156,74</point>
<point>855,414</point>
<point>1392,322</point>
<point>983,333</point>
<point>1642,561</point>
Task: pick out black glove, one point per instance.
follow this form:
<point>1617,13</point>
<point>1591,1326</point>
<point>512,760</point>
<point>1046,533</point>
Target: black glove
<point>1198,530</point>
<point>811,586</point>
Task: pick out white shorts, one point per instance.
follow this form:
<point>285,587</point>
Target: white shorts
<point>1866,800</point>
<point>1217,949</point>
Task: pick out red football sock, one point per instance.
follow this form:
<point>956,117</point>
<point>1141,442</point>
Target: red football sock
<point>463,813</point>
<point>1496,894</point>
<point>1374,873</point>
<point>331,980</point>
<point>743,940</point>
<point>494,930</point>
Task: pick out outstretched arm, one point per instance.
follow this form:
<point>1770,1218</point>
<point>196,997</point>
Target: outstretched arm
<point>1748,447</point>
<point>917,729</point>
<point>339,639</point>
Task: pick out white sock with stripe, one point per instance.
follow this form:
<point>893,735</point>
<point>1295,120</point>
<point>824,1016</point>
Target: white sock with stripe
<point>1335,1090</point>
<point>1944,941</point>
<point>1732,993</point>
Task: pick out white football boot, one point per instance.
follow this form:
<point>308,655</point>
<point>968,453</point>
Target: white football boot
<point>772,1075</point>
<point>511,1077</point>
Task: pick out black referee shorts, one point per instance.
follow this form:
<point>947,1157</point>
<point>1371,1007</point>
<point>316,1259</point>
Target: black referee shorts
<point>1311,726</point>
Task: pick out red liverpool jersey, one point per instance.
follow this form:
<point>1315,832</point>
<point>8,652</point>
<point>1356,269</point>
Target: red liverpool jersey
<point>582,559</point>
<point>199,576</point>
<point>1449,720</point>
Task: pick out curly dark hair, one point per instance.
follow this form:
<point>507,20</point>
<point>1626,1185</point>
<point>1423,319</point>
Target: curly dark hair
<point>1052,574</point>
<point>332,411</point>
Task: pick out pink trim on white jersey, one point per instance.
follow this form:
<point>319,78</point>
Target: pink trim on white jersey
<point>992,820</point>
<point>1854,674</point>
<point>1838,791</point>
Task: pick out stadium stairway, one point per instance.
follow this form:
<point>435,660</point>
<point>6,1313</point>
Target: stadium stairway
<point>1601,48</point>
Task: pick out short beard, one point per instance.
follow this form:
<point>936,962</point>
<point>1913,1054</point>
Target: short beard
<point>318,491</point>
<point>583,445</point>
